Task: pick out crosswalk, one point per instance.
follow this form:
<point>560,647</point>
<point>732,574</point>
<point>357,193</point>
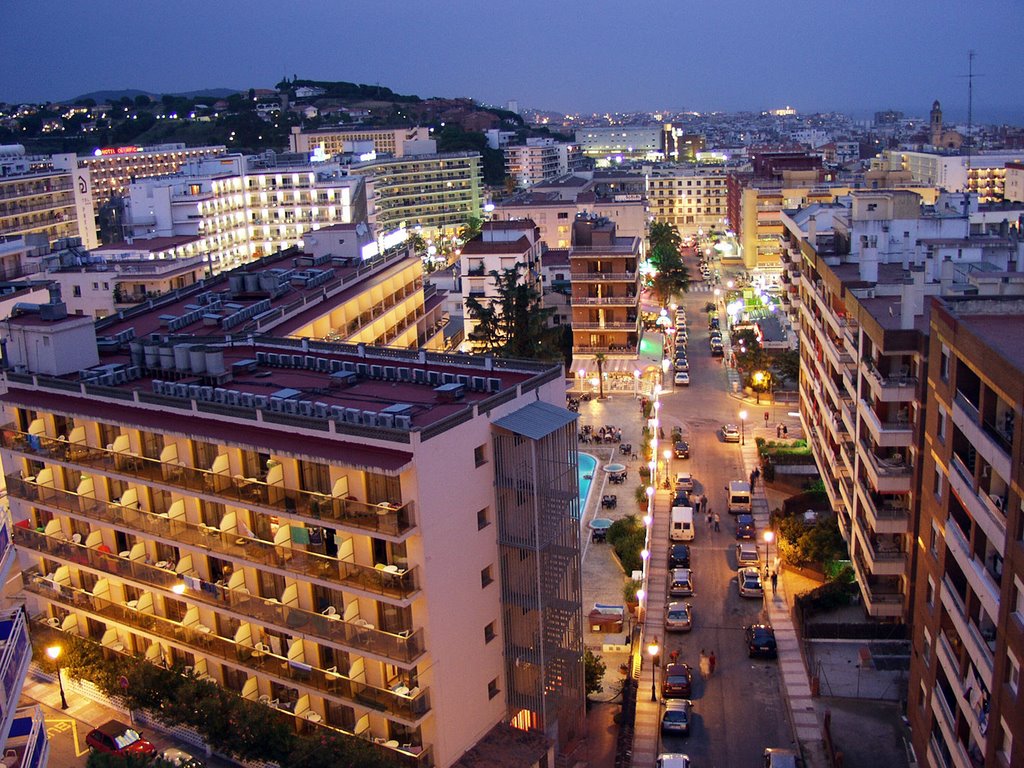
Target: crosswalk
<point>700,287</point>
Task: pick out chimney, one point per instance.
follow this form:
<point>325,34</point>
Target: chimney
<point>868,262</point>
<point>912,292</point>
<point>812,231</point>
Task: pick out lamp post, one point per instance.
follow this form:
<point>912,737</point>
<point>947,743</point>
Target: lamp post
<point>652,651</point>
<point>54,652</point>
<point>668,459</point>
<point>769,537</point>
<point>743,420</point>
<point>636,383</point>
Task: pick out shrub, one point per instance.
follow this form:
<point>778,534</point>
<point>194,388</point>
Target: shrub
<point>626,536</point>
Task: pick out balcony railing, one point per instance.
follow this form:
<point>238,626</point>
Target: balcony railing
<point>400,647</point>
<point>244,550</point>
<point>596,300</point>
<point>388,519</point>
<point>28,738</point>
<point>205,642</point>
<point>603,277</point>
<point>14,657</point>
<point>895,466</point>
<point>610,325</point>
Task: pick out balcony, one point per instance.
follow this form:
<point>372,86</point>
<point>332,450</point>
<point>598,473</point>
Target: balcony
<point>981,508</point>
<point>15,655</point>
<point>978,577</point>
<point>243,550</point>
<point>947,724</point>
<point>619,301</point>
<point>889,389</point>
<point>884,516</point>
<point>978,647</point>
<point>28,738</point>
<point>883,556</point>
<point>891,475</point>
<point>879,601</point>
<point>350,514</point>
<point>887,433</point>
<point>987,441</point>
<point>207,643</point>
<point>604,277</point>
<point>610,325</point>
<point>403,648</point>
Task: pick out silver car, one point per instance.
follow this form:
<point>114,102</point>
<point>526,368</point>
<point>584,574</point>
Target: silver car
<point>678,617</point>
<point>749,582</point>
<point>680,582</point>
<point>677,717</point>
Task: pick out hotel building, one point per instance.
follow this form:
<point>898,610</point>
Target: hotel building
<point>536,161</point>
<point>688,198</point>
<point>436,192</point>
<point>329,142</point>
<point>863,346</point>
<point>278,514</point>
<point>968,618</point>
<point>984,173</point>
<point>42,198</point>
<point>240,209</point>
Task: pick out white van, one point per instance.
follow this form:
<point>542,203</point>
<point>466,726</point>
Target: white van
<point>681,525</point>
<point>738,496</point>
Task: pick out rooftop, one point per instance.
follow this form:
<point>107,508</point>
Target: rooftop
<point>151,245</point>
<point>478,247</point>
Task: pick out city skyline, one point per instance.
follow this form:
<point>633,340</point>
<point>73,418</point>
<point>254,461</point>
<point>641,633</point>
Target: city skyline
<point>704,57</point>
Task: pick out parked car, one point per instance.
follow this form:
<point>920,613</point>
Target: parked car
<point>116,738</point>
<point>747,555</point>
<point>760,641</point>
<point>676,718</point>
<point>678,617</point>
<point>730,433</point>
<point>774,757</point>
<point>684,481</point>
<point>181,759</point>
<point>679,556</point>
<point>682,378</point>
<point>682,449</point>
<point>677,681</point>
<point>717,351</point>
<point>681,499</point>
<point>749,582</point>
<point>680,582</point>
<point>673,760</point>
<point>744,526</point>
<point>682,365</point>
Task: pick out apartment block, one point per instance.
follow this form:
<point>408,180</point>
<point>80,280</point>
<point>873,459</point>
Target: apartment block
<point>500,246</point>
<point>983,173</point>
<point>604,270</point>
<point>278,514</point>
<point>241,209</point>
<point>39,198</point>
<point>631,142</point>
<point>329,142</point>
<point>968,619</point>
<point>536,161</point>
<point>864,285</point>
<point>689,198</point>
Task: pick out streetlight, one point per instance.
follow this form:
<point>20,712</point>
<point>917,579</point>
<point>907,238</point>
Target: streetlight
<point>636,383</point>
<point>652,650</point>
<point>743,419</point>
<point>668,458</point>
<point>769,537</point>
<point>54,652</point>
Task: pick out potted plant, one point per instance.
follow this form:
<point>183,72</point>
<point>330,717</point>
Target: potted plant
<point>629,594</point>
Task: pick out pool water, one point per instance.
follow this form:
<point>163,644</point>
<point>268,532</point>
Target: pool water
<point>587,465</point>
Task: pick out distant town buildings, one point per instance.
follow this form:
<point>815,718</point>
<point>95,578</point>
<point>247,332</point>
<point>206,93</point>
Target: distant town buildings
<point>536,161</point>
<point>328,142</point>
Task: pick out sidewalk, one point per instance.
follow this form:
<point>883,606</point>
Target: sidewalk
<point>796,686</point>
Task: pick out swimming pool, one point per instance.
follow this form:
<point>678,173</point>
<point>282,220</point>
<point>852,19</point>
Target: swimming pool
<point>587,465</point>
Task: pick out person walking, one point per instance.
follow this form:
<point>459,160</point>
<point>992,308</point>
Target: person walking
<point>718,522</point>
<point>775,582</point>
<point>704,666</point>
<point>711,663</point>
<point>704,502</point>
<point>710,521</point>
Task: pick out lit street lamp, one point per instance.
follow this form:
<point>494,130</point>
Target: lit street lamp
<point>54,652</point>
<point>769,537</point>
<point>743,420</point>
<point>652,650</point>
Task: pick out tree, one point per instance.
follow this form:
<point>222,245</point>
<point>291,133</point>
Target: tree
<point>599,358</point>
<point>672,276</point>
<point>514,323</point>
<point>593,672</point>
<point>786,365</point>
<point>751,356</point>
<point>470,228</point>
<point>664,234</point>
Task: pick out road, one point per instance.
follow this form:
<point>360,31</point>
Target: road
<point>740,709</point>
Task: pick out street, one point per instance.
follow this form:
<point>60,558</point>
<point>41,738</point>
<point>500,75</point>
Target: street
<point>739,710</point>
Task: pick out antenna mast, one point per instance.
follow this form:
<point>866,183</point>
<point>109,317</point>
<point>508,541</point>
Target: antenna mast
<point>970,109</point>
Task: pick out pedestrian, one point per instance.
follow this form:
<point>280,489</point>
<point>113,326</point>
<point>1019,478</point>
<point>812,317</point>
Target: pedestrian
<point>710,521</point>
<point>775,582</point>
<point>718,522</point>
<point>704,501</point>
<point>704,665</point>
<point>753,480</point>
<point>785,431</point>
<point>711,663</point>
<point>674,656</point>
<point>778,430</point>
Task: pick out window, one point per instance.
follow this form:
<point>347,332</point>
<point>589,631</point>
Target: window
<point>929,595</point>
<point>479,455</point>
<point>933,539</point>
<point>926,649</point>
<point>76,291</point>
<point>489,633</point>
<point>940,429</point>
<point>937,483</point>
<point>944,363</point>
<point>486,576</point>
<point>1012,671</point>
<point>483,518</point>
<point>492,688</point>
<point>1007,746</point>
<point>922,697</point>
<point>1018,599</point>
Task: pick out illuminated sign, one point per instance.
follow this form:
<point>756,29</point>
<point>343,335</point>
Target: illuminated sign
<point>628,198</point>
<point>117,151</point>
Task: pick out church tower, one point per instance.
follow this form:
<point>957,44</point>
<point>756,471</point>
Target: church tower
<point>936,124</point>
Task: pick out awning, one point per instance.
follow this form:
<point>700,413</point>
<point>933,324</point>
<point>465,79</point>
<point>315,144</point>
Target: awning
<point>583,366</point>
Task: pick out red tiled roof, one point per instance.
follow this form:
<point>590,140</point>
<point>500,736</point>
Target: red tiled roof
<point>479,247</point>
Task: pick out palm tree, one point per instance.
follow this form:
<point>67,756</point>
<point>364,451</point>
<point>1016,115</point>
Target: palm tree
<point>599,359</point>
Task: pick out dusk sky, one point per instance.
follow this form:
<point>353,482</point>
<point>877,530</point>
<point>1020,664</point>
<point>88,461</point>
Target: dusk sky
<point>594,56</point>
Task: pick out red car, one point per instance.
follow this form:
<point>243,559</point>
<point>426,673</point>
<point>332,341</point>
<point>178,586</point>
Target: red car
<point>116,738</point>
<point>677,682</point>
